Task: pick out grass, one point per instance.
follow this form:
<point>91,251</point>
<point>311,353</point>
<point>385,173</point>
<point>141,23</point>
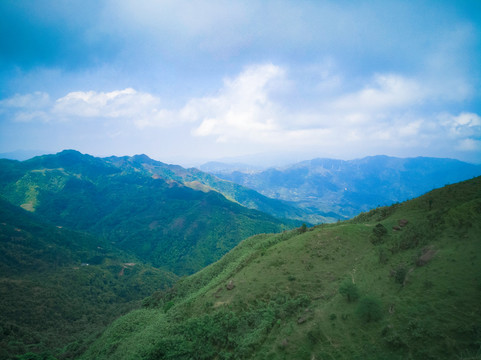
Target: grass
<point>285,300</point>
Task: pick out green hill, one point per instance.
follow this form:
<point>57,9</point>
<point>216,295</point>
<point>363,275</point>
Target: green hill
<point>398,282</point>
<point>203,181</point>
<point>158,219</point>
<point>60,287</point>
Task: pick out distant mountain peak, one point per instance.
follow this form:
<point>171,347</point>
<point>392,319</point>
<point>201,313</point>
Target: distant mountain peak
<point>143,158</point>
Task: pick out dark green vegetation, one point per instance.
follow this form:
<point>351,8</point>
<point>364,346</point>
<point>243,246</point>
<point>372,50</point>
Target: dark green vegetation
<point>60,287</point>
<point>337,189</point>
<point>418,291</point>
<point>132,203</point>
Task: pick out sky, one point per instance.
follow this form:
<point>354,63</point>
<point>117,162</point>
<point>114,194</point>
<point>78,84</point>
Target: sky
<point>187,82</point>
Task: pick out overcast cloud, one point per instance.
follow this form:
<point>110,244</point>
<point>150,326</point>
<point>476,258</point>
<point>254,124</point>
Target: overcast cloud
<point>189,81</point>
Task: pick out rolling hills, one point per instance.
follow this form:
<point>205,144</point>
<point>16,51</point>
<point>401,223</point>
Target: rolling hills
<point>397,282</point>
<point>338,189</point>
<point>199,180</point>
<point>155,217</point>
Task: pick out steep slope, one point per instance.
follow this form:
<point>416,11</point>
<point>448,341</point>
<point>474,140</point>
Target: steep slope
<point>161,221</point>
<point>340,189</point>
<point>203,181</point>
<point>398,282</point>
<point>60,287</point>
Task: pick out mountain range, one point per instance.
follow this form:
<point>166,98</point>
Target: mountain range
<point>198,274</point>
<point>331,189</point>
<point>137,204</point>
<point>85,239</point>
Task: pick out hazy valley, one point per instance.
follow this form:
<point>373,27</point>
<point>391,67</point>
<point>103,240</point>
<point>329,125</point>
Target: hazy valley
<point>329,189</point>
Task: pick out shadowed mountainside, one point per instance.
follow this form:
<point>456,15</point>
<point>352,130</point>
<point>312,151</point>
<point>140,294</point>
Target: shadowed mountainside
<point>59,286</point>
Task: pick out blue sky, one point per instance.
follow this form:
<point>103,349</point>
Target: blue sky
<point>191,81</point>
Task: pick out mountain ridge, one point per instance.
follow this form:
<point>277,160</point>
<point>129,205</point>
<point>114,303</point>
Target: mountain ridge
<point>344,188</point>
<point>191,177</point>
<point>156,217</point>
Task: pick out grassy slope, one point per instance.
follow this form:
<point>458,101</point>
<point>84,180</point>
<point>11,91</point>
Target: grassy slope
<point>48,299</point>
<point>286,304</point>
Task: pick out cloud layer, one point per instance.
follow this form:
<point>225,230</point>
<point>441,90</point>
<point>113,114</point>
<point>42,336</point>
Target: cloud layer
<point>222,78</point>
<point>387,114</point>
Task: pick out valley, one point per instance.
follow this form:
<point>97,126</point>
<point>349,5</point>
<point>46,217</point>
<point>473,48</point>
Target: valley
<point>184,254</point>
<point>240,180</point>
<point>329,190</point>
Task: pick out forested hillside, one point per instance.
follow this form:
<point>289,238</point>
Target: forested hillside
<point>203,181</point>
<point>158,219</point>
<point>397,282</point>
<point>60,288</point>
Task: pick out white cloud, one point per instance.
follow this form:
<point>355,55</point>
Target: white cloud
<point>115,104</point>
<point>463,125</point>
<point>129,105</point>
<point>36,100</point>
<point>469,145</point>
<point>29,116</point>
<point>387,91</point>
<point>27,107</point>
<point>242,109</point>
<point>467,119</point>
<point>389,113</point>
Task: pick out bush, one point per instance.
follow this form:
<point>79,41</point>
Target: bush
<point>369,309</point>
<point>378,234</point>
<point>349,289</point>
<point>400,274</point>
<point>383,256</point>
<point>303,229</point>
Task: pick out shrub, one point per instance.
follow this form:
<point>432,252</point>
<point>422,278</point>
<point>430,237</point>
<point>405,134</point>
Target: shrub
<point>383,256</point>
<point>168,305</point>
<point>349,289</point>
<point>378,234</point>
<point>303,228</point>
<point>400,274</point>
<point>415,236</point>
<point>369,309</point>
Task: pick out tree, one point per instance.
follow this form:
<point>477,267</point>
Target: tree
<point>400,274</point>
<point>369,309</point>
<point>303,228</point>
<point>349,289</point>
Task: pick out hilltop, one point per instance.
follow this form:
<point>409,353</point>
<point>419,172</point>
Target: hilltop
<point>397,282</point>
